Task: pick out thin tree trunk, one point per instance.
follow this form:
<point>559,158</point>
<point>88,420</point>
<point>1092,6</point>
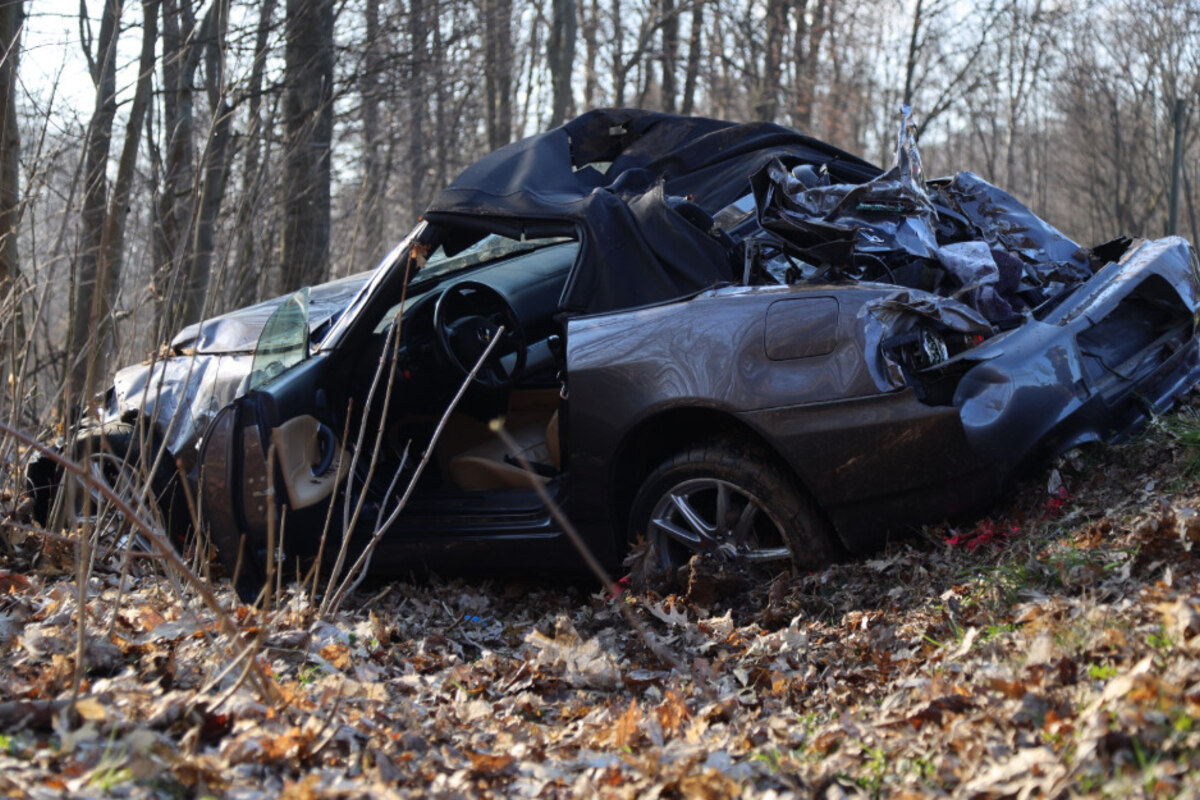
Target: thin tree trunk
<point>809,34</point>
<point>914,52</point>
<point>102,65</point>
<point>767,107</point>
<point>249,204</point>
<point>370,217</point>
<point>618,55</point>
<point>216,163</point>
<point>670,54</point>
<point>591,49</point>
<point>560,57</point>
<point>417,105</point>
<point>173,213</point>
<point>308,117</point>
<point>695,43</point>
<point>112,240</point>
<point>498,67</point>
<point>12,17</point>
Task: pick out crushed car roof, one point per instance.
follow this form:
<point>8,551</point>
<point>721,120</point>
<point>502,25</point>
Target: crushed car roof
<point>617,176</point>
<point>641,189</point>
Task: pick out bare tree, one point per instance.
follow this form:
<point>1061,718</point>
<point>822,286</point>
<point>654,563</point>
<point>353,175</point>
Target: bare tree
<point>560,58</point>
<point>308,119</point>
<point>245,280</point>
<point>670,55</point>
<point>12,17</point>
<point>178,171</point>
<point>498,66</point>
<point>102,236</point>
<point>215,162</point>
<point>695,45</point>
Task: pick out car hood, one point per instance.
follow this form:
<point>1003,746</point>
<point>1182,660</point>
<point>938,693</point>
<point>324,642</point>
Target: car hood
<point>238,331</point>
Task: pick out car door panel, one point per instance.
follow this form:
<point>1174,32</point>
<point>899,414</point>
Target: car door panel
<point>235,457</point>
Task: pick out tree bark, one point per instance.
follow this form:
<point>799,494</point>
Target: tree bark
<point>695,45</point>
<point>173,212</point>
<point>560,57</point>
<point>498,67</point>
<point>418,31</point>
<point>809,34</point>
<point>670,54</point>
<point>95,343</point>
<point>591,49</point>
<point>102,65</point>
<point>308,121</point>
<point>618,55</point>
<point>370,217</point>
<point>12,17</point>
<point>246,278</point>
<point>767,107</point>
<point>216,163</point>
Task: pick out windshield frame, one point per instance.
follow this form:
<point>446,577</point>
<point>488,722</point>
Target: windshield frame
<point>426,231</point>
<point>391,262</point>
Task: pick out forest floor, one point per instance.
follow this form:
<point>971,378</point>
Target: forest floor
<point>1051,649</point>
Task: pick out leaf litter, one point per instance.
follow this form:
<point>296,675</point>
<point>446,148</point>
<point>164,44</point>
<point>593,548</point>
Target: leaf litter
<point>1049,649</point>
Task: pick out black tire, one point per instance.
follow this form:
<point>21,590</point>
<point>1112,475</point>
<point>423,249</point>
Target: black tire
<point>112,453</point>
<point>767,519</point>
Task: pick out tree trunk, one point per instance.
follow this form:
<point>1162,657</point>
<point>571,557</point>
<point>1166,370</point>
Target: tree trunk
<point>670,54</point>
<point>695,43</point>
<point>370,217</point>
<point>560,57</point>
<point>102,65</point>
<point>591,50</point>
<point>498,67</point>
<point>418,31</point>
<point>618,55</point>
<point>308,120</point>
<point>173,212</point>
<point>767,107</point>
<point>12,17</point>
<point>809,34</point>
<point>246,278</point>
<point>216,164</point>
<point>95,343</point>
<point>914,53</point>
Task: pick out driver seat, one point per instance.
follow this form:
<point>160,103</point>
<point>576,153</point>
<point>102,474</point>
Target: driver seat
<point>490,465</point>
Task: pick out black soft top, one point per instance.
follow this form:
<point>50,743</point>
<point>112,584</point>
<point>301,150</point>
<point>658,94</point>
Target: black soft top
<point>616,177</point>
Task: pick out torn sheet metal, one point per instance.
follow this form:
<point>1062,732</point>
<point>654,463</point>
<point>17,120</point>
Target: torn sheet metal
<point>960,238</point>
<point>180,394</point>
<point>237,331</point>
<point>903,311</point>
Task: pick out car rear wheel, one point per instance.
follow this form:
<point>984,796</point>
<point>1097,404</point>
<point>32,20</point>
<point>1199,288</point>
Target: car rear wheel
<point>731,500</point>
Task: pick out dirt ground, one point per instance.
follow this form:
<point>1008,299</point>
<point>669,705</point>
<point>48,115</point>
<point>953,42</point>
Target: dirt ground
<point>1050,649</point>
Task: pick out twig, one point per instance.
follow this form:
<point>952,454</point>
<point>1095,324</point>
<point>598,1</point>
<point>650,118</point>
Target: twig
<point>165,549</point>
<point>358,569</point>
<point>614,591</point>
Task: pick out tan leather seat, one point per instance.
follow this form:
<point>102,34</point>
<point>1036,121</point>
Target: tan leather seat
<point>484,467</point>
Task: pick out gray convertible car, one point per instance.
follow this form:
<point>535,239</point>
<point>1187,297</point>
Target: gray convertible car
<point>719,337</point>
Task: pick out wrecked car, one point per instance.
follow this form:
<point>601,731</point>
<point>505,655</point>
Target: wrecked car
<point>724,338</point>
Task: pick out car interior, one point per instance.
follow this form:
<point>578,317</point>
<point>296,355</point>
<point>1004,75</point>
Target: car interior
<point>457,298</point>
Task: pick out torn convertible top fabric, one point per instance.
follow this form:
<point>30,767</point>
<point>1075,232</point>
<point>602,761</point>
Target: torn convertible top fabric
<point>613,175</point>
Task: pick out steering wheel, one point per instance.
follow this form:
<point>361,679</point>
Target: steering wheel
<point>466,318</point>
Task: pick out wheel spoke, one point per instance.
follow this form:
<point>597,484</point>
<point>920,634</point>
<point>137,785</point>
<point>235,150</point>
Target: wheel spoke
<point>745,522</point>
<point>685,537</point>
<point>722,515</point>
<point>704,529</point>
<point>713,515</point>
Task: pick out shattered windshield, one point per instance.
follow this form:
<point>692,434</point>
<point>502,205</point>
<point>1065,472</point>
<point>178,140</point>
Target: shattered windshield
<point>491,247</point>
